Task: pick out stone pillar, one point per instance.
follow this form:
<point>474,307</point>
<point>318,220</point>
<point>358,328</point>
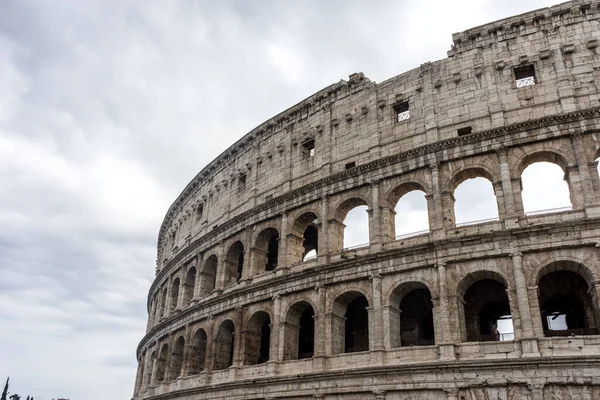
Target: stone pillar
<point>198,282</point>
<point>167,308</point>
<point>537,391</point>
<point>536,317</point>
<point>210,345</point>
<point>377,326</point>
<point>237,338</point>
<point>436,217</point>
<point>324,250</point>
<point>446,329</point>
<point>379,394</point>
<point>283,257</point>
<point>528,341</point>
<point>575,187</point>
<point>187,350</point>
<point>154,367</point>
<point>152,313</point>
<point>321,331</point>
<point>375,222</point>
<point>507,189</point>
<point>584,172</point>
<point>451,394</point>
<point>276,336</point>
<point>181,296</point>
<point>221,267</point>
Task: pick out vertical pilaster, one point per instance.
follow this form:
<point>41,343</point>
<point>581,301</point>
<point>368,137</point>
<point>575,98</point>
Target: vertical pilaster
<point>198,281</point>
<point>584,173</point>
<point>181,296</point>
<point>509,199</point>
<point>283,260</point>
<point>324,239</point>
<point>446,328</point>
<point>320,323</point>
<point>375,220</point>
<point>377,331</point>
<point>276,337</point>
<point>168,298</point>
<point>436,216</point>
<point>528,342</point>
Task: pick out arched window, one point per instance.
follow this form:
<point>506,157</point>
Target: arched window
<point>139,382</point>
<point>266,251</point>
<point>163,303</point>
<point>208,276</point>
<point>566,306</point>
<point>234,263</point>
<point>411,215</point>
<point>197,352</point>
<point>175,369</point>
<point>303,243</point>
<point>545,189</point>
<point>258,339</point>
<point>350,323</point>
<point>475,202</point>
<point>350,226</point>
<point>487,315</point>
<point>190,283</point>
<point>161,364</point>
<point>174,294</point>
<point>148,373</point>
<point>299,332</point>
<point>411,316</point>
<point>223,357</point>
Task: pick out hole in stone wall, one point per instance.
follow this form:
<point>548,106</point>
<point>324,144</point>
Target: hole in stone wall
<point>411,214</point>
<point>475,202</point>
<point>464,131</point>
<point>525,75</point>
<point>401,111</point>
<point>350,165</point>
<point>356,231</point>
<point>545,189</point>
<point>308,148</point>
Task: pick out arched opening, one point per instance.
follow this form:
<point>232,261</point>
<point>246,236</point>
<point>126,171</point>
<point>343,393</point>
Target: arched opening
<point>174,294</point>
<point>197,352</point>
<point>258,339</point>
<point>176,366</point>
<point>139,383</point>
<point>266,251</point>
<point>350,323</point>
<point>188,287</point>
<point>299,332</point>
<point>163,303</point>
<point>411,316</point>
<point>475,201</point>
<point>208,276</point>
<point>148,373</point>
<point>545,189</point>
<point>304,239</point>
<point>234,263</point>
<point>566,304</point>
<point>224,346</point>
<point>411,217</point>
<point>161,364</point>
<point>487,315</point>
<point>350,227</point>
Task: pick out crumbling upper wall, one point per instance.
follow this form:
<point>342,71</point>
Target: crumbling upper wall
<point>353,122</point>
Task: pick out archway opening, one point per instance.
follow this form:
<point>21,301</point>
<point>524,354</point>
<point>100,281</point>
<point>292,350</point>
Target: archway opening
<point>266,250</point>
<point>163,303</point>
<point>258,339</point>
<point>411,215</point>
<point>176,366</point>
<point>566,306</point>
<point>190,283</point>
<point>197,352</point>
<point>487,312</point>
<point>416,319</point>
<point>545,189</point>
<point>475,202</point>
<point>234,263</point>
<point>161,364</point>
<point>299,332</point>
<point>303,243</point>
<point>356,228</point>
<point>174,294</point>
<point>148,374</point>
<point>223,357</point>
<point>208,276</point>
<point>350,323</point>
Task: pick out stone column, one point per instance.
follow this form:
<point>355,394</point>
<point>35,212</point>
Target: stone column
<point>283,258</point>
<point>375,222</point>
<point>152,313</point>
<point>584,173</point>
<point>575,187</point>
<point>154,367</point>
<point>180,299</point>
<point>276,337</point>
<point>446,346</point>
<point>436,217</point>
<point>451,394</point>
<point>377,330</point>
<point>537,391</point>
<point>324,239</point>
<point>221,266</point>
<point>198,282</point>
<point>210,345</point>
<point>237,339</point>
<point>528,341</point>
<point>167,308</point>
<point>321,331</point>
<point>509,200</point>
<point>187,349</point>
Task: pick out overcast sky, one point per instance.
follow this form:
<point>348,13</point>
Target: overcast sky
<point>109,107</point>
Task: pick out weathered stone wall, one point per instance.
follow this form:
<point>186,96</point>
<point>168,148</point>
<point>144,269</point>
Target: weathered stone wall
<point>271,182</point>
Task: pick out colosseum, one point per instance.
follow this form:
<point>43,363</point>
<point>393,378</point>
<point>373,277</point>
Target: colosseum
<point>257,297</point>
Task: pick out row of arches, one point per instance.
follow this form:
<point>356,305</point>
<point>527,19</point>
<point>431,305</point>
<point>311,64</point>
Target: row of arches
<point>568,305</point>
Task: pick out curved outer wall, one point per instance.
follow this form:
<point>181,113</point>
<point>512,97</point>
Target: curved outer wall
<point>206,323</point>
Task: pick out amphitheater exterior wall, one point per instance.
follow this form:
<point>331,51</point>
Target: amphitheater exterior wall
<point>347,145</point>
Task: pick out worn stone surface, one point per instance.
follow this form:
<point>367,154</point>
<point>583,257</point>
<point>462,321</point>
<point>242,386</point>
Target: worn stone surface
<point>407,318</point>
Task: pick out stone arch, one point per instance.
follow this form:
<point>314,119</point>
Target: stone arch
<point>174,294</point>
<point>163,303</point>
<point>475,172</point>
<point>257,338</point>
<point>485,302</point>
<point>197,352</point>
<point>161,363</point>
<point>350,323</point>
<point>393,199</point>
<point>552,156</point>
<point>139,381</point>
<point>568,299</point>
<point>266,250</point>
<point>304,236</point>
<point>189,285</point>
<point>234,263</point>
<point>208,275</point>
<point>411,315</point>
<point>148,374</point>
<point>338,228</point>
<point>299,331</point>
<point>224,345</point>
<point>176,360</point>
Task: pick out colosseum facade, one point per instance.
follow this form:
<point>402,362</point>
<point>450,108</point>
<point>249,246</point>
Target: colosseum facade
<point>238,310</point>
